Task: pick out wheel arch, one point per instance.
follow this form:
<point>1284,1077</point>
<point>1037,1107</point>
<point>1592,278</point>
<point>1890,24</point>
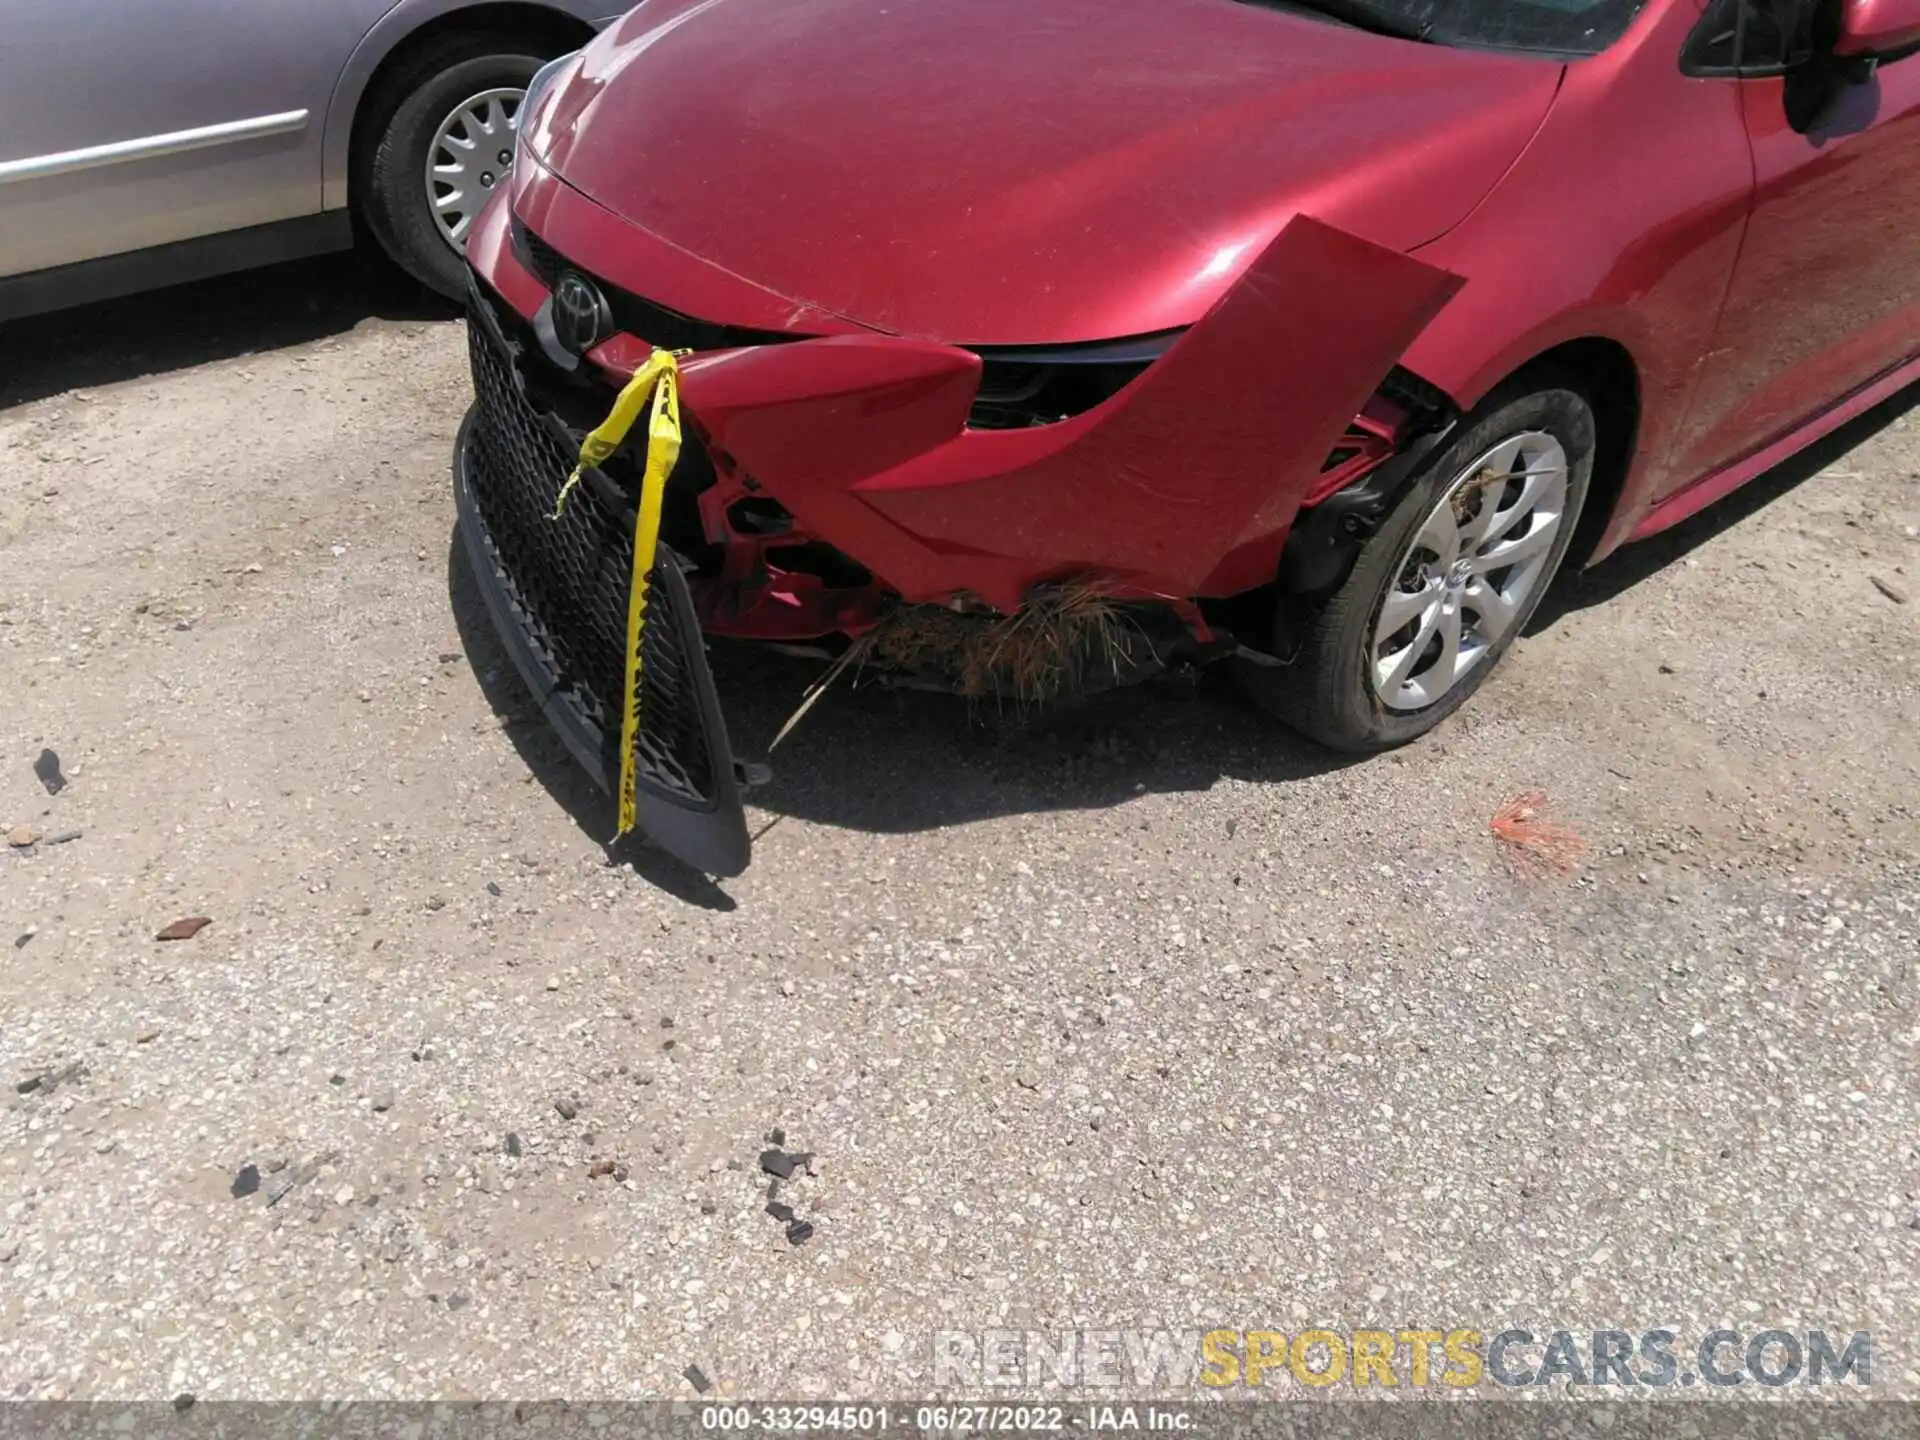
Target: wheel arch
<point>406,32</point>
<point>1326,536</point>
<point>1603,370</point>
<point>1636,377</point>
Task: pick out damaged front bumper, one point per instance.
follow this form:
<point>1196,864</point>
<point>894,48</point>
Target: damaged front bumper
<point>833,475</point>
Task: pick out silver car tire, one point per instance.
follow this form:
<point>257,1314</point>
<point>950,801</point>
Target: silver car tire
<point>433,153</point>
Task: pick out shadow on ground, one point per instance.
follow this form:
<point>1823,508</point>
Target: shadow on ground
<point>1633,563</point>
<point>218,319</point>
<point>889,761</point>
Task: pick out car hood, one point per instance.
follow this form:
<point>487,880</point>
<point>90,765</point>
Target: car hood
<point>1010,172</point>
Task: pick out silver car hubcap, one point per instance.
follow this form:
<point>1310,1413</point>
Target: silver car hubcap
<point>470,154</point>
<point>1466,578</point>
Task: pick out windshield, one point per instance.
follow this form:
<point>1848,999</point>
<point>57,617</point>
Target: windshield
<point>1559,27</point>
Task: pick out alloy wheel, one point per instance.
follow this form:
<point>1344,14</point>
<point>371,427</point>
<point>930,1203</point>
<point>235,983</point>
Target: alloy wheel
<point>1470,571</point>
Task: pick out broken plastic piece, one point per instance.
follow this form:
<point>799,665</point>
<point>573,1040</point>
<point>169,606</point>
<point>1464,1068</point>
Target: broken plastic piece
<point>799,1232</point>
<point>697,1378</point>
<point>780,1211</point>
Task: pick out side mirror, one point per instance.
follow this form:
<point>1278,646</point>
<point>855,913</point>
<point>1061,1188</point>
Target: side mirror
<point>1870,28</point>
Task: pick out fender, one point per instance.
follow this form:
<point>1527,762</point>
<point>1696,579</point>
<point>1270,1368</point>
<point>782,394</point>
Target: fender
<point>1649,271</point>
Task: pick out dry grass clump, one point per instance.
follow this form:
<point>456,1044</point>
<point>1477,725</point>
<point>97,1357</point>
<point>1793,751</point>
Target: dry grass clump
<point>1029,657</point>
<point>1038,652</point>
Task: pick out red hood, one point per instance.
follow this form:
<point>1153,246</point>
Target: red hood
<point>1023,171</point>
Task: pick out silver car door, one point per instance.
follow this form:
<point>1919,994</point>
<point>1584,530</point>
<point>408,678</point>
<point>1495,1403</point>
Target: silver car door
<point>131,123</point>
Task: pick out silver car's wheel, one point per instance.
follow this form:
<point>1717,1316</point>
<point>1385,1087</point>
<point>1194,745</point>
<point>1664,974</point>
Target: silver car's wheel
<point>435,140</point>
<point>1471,568</point>
<point>470,153</point>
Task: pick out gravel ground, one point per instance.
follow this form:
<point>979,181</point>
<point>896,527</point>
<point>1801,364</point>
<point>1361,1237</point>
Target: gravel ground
<point>1142,1015</point>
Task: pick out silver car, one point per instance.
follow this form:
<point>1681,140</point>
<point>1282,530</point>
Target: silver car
<point>143,144</point>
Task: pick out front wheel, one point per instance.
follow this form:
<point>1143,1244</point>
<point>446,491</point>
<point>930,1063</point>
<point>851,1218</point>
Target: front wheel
<point>440,142</point>
<point>1445,584</point>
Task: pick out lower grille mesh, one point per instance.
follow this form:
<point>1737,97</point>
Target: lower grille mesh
<point>570,576</point>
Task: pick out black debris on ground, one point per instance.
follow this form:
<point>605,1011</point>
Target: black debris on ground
<point>697,1378</point>
<point>246,1182</point>
<point>47,1081</point>
<point>781,1164</point>
<point>47,768</point>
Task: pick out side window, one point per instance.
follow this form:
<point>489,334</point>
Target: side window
<point>1750,37</point>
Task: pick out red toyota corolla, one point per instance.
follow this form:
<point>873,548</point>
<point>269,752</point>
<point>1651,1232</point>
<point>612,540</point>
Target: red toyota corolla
<point>1037,343</point>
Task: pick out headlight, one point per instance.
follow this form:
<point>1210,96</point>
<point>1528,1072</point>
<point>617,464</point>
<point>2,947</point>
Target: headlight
<point>541,82</point>
<point>1021,387</point>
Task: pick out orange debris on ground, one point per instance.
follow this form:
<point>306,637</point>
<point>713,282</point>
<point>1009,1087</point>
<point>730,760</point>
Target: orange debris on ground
<point>1533,844</point>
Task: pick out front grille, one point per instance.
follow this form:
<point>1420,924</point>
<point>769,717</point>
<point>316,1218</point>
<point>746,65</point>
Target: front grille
<point>541,258</point>
<point>569,577</point>
<point>638,316</point>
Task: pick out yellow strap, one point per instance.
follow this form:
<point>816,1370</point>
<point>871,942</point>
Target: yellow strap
<point>659,379</point>
<point>611,433</point>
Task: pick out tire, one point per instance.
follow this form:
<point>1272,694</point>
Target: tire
<point>390,189</point>
<point>1336,688</point>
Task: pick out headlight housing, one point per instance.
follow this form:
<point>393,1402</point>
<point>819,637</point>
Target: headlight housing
<point>1020,387</point>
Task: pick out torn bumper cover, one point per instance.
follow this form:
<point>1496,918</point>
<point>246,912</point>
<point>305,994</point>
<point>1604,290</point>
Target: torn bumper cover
<point>1183,485</point>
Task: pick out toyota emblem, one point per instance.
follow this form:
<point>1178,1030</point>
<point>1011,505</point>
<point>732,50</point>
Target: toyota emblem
<point>581,319</point>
